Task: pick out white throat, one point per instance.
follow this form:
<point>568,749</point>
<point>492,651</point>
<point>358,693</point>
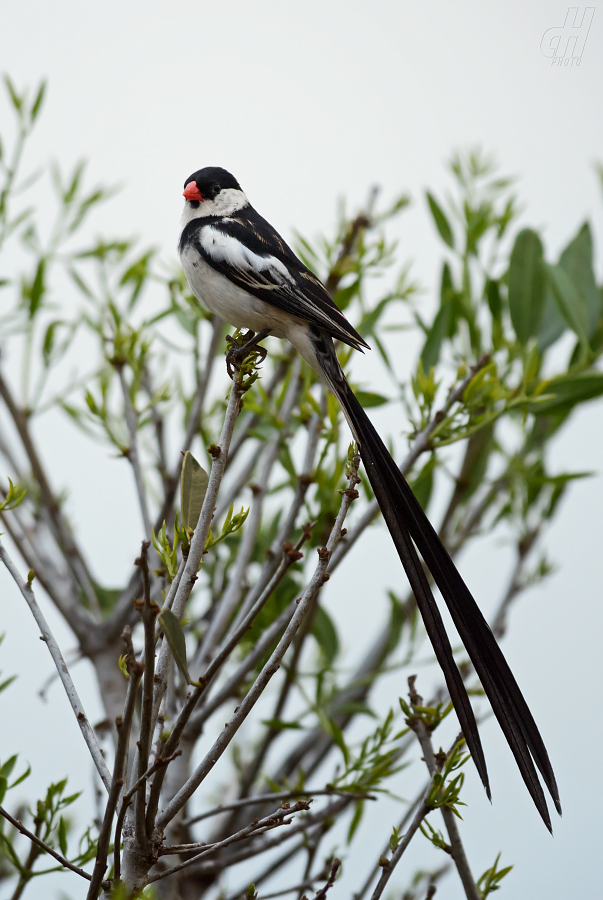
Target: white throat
<point>226,203</point>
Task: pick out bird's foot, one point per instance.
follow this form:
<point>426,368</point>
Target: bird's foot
<point>237,352</point>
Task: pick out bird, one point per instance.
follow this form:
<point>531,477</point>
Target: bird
<point>241,269</point>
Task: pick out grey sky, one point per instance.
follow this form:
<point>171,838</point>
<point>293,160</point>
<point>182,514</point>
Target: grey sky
<point>307,102</point>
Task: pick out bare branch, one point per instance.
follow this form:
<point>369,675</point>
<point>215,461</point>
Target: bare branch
<point>61,530</point>
<point>132,454</point>
<point>457,851</point>
<point>413,808</point>
<point>258,826</point>
<point>148,612</point>
<point>389,867</point>
<point>271,798</point>
<point>159,763</point>
<point>197,546</point>
<point>47,636</point>
<point>261,647</point>
<point>289,521</point>
<point>124,725</point>
<point>273,663</point>
<point>516,583</point>
<point>40,843</point>
<point>335,866</point>
<point>263,845</point>
<point>231,597</point>
<point>250,420</point>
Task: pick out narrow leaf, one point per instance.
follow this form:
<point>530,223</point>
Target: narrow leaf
<point>561,394</point>
<point>577,262</point>
<point>193,487</point>
<point>526,285</point>
<point>175,638</point>
<point>441,222</point>
<point>571,303</point>
<point>63,836</point>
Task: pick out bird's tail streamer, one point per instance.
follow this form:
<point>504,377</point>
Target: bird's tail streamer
<point>411,530</point>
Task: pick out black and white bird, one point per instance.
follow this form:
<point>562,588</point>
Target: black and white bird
<point>242,270</point>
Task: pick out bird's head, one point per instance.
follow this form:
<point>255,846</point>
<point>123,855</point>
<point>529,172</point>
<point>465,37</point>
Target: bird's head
<point>212,191</point>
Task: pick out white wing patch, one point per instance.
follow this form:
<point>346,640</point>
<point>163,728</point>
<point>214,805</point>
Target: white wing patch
<point>265,273</point>
<point>227,249</point>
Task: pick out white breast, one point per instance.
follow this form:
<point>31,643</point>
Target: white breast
<point>236,306</point>
<point>230,302</point>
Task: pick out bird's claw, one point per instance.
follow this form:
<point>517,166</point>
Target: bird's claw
<point>238,352</point>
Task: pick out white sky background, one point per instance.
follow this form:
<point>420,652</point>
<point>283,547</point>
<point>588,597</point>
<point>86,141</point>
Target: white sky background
<point>305,103</point>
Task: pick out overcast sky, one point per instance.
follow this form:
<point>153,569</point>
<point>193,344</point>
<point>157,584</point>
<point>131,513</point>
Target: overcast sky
<point>306,102</point>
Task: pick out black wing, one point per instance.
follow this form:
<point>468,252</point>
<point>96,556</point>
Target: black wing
<point>250,253</point>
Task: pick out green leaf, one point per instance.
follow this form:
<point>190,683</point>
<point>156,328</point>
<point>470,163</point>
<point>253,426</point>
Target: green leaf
<point>48,342</point>
<point>193,487</point>
<point>492,291</point>
<point>356,819</point>
<point>337,735</point>
<point>369,399</point>
<point>16,100</point>
<point>526,283</point>
<point>345,295</point>
<point>37,289</point>
<point>552,324</point>
<point>570,302</point>
<point>441,222</point>
<point>563,393</point>
<point>107,597</point>
<point>3,786</point>
<point>22,777</point>
<point>577,262</point>
<point>422,485</point>
<point>430,353</point>
<point>175,638</point>
<point>325,633</point>
<point>8,766</point>
<point>13,496</point>
<point>280,725</point>
<point>4,684</point>
<point>37,104</point>
<point>62,833</point>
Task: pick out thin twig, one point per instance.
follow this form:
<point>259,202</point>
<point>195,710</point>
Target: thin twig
<point>271,798</point>
<point>270,634</point>
<point>124,724</point>
<point>389,867</point>
<point>199,539</point>
<point>322,893</point>
<point>148,612</point>
<point>231,596</point>
<point>262,846</point>
<point>271,667</point>
<point>123,608</point>
<point>261,647</point>
<point>57,657</point>
<point>457,851</point>
<point>413,808</point>
<point>288,524</point>
<point>252,419</point>
<point>132,452</point>
<point>280,817</point>
<point>40,843</point>
<point>62,533</point>
<point>159,763</point>
<point>517,583</point>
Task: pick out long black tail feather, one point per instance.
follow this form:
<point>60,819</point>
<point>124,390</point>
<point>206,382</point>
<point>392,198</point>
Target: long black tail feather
<point>408,523</point>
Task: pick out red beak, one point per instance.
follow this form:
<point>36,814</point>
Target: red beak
<point>192,192</point>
